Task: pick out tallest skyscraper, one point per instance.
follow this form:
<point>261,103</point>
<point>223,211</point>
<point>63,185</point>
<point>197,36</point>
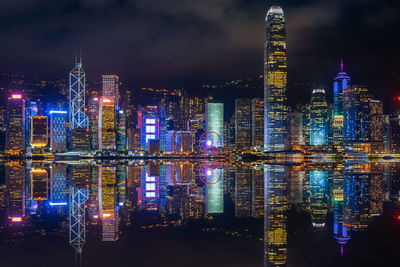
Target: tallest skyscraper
<point>275,80</point>
<point>77,84</point>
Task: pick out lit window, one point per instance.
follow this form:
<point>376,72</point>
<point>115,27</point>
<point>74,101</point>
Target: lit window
<point>150,121</point>
<point>150,179</point>
<point>150,186</point>
<point>150,194</point>
<point>150,129</point>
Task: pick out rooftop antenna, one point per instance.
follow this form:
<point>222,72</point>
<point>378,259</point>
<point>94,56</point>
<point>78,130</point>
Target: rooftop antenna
<point>341,65</point>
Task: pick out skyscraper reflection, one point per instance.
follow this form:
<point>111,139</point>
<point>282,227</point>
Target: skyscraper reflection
<point>275,217</point>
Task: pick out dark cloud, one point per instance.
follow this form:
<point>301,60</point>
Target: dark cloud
<point>183,42</point>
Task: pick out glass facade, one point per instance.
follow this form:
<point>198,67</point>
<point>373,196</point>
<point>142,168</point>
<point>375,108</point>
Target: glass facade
<point>107,136</point>
<point>215,121</point>
<point>58,131</point>
<point>15,135</point>
<point>318,118</point>
<point>275,80</point>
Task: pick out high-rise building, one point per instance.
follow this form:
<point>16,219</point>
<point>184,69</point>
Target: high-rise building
<point>111,88</point>
<point>77,91</point>
<point>340,84</point>
<point>93,113</point>
<point>215,121</point>
<point>58,131</point>
<point>318,198</point>
<point>318,118</point>
<point>294,124</point>
<point>80,140</point>
<point>376,121</point>
<point>275,80</point>
<point>108,203</point>
<point>39,132</point>
<point>58,185</point>
<point>215,192</point>
<point>242,124</point>
<point>107,138</point>
<point>15,180</point>
<point>121,130</point>
<point>257,123</point>
<point>184,142</point>
<point>15,122</point>
<point>356,109</point>
<point>149,125</point>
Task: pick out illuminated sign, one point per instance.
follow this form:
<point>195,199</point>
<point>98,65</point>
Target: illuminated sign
<point>16,96</point>
<point>58,204</point>
<point>57,112</point>
<point>16,219</point>
<point>106,100</point>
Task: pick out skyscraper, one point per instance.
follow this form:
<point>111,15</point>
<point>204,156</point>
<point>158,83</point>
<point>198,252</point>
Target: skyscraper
<point>58,131</point>
<point>340,84</point>
<point>111,88</point>
<point>275,79</point>
<point>121,130</point>
<point>15,122</point>
<point>242,124</point>
<point>318,118</point>
<point>107,138</point>
<point>93,111</point>
<point>77,91</point>
<point>215,121</point>
<point>149,125</point>
<point>356,109</point>
<point>376,121</point>
<point>39,132</point>
<point>257,123</point>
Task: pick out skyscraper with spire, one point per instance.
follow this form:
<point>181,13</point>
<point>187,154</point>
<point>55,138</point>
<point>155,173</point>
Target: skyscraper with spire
<point>77,84</point>
<point>340,84</point>
<point>275,80</point>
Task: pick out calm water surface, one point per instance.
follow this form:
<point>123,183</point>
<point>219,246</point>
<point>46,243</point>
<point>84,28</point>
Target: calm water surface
<point>198,214</point>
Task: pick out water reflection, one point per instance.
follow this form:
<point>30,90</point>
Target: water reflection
<point>77,200</point>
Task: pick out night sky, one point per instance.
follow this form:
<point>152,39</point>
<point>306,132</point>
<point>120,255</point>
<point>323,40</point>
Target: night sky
<point>183,43</point>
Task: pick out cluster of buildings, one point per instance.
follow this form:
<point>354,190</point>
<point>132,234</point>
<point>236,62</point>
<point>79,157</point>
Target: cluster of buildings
<point>112,121</point>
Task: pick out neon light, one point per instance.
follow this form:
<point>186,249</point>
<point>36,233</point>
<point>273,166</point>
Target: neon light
<point>57,112</point>
<point>96,99</point>
<point>106,215</point>
<point>96,216</point>
<point>16,219</point>
<point>106,100</point>
<point>58,204</point>
<point>16,96</point>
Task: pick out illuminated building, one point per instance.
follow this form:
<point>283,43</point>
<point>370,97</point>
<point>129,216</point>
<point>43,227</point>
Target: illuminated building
<point>79,174</point>
<point>31,110</point>
<point>242,124</point>
<point>39,184</point>
<point>376,121</point>
<point>341,231</point>
<point>215,192</point>
<point>275,80</point>
<point>58,131</point>
<point>15,123</point>
<point>121,184</point>
<point>39,132</point>
<point>93,113</point>
<point>108,206</point>
<point>107,138</point>
<point>77,91</point>
<point>340,84</point>
<point>121,130</point>
<point>243,192</point>
<point>275,217</point>
<point>15,181</point>
<point>80,140</point>
<point>58,185</point>
<point>387,133</point>
<point>171,141</point>
<point>133,139</point>
<point>153,146</point>
<point>215,121</point>
<point>294,130</point>
<point>149,125</point>
<point>318,118</point>
<point>184,142</point>
<point>184,173</point>
<point>111,88</point>
<point>318,198</point>
<point>163,128</point>
<point>356,111</point>
<point>257,123</point>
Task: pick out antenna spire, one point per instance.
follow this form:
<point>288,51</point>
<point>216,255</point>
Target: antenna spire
<point>341,65</point>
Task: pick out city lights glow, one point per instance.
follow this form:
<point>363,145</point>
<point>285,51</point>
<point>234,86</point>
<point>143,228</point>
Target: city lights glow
<point>16,219</point>
<point>16,96</point>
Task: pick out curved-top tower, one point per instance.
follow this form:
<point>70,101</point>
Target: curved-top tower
<point>275,80</point>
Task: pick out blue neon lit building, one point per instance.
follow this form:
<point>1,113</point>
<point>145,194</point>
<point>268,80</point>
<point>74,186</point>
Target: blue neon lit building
<point>149,125</point>
<point>215,121</point>
<point>58,131</point>
<point>58,185</point>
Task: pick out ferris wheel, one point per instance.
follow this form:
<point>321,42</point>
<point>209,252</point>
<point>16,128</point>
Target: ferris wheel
<point>210,173</point>
<point>210,142</point>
